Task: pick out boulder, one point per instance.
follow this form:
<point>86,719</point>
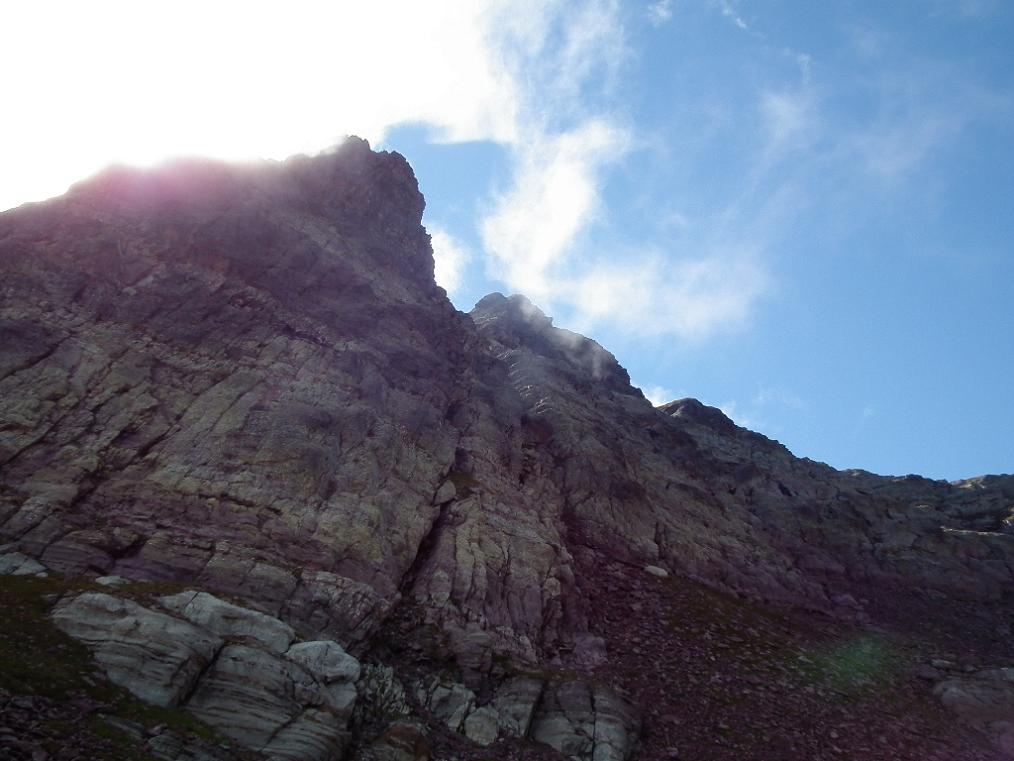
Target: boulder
<point>156,656</point>
<point>230,621</point>
<point>326,660</point>
<point>482,725</point>
<point>18,564</point>
<point>515,701</point>
<point>586,722</point>
<point>985,700</point>
<point>449,702</point>
<point>268,703</point>
<point>980,698</point>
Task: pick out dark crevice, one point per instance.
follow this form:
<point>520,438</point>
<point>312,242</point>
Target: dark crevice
<point>427,547</point>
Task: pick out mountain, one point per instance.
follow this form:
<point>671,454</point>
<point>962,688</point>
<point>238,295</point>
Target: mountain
<point>264,493</point>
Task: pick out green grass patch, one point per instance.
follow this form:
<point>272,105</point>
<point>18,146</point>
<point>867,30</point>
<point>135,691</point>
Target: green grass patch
<point>853,666</point>
<point>36,657</point>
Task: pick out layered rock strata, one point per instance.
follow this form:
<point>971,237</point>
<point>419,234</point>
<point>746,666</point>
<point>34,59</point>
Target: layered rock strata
<point>244,380</point>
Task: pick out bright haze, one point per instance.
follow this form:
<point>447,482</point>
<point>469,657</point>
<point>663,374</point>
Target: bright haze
<point>800,212</point>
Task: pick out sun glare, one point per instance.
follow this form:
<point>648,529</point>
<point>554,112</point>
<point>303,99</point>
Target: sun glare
<point>99,83</point>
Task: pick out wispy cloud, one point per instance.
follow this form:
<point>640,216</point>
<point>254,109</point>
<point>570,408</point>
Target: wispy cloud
<point>780,398</point>
<point>866,415</point>
<point>965,9</point>
<point>730,12</point>
<point>113,73</point>
<point>788,117</point>
<point>895,148</point>
<point>536,79</point>
<point>535,231</point>
<point>734,412</point>
<point>657,295</point>
<point>921,111</point>
<point>659,395</point>
<point>450,257</point>
<point>767,410</point>
<point>659,13</point>
<point>553,196</point>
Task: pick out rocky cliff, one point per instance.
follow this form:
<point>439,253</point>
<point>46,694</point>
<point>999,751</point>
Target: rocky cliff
<point>253,459</point>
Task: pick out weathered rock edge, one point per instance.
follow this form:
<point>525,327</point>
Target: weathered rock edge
<point>244,380</point>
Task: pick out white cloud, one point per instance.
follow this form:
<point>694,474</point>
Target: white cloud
<point>450,258</point>
<point>109,83</point>
<point>114,80</point>
<point>659,13</point>
<point>769,397</point>
<point>867,40</point>
<point>689,298</point>
<point>767,410</point>
<point>922,110</point>
<point>867,414</point>
<point>804,61</point>
<point>897,147</point>
<point>553,197</point>
<point>729,11</point>
<point>659,395</point>
<point>740,417</point>
<point>534,230</point>
<point>787,117</point>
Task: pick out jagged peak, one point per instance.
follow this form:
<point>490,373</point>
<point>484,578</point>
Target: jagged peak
<point>517,309</point>
<point>516,322</point>
<point>336,178</point>
<point>695,411</point>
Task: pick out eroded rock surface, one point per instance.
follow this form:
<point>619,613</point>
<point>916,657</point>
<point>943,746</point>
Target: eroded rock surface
<point>230,667</point>
<point>227,620</point>
<point>154,655</point>
<point>984,699</point>
<point>244,381</point>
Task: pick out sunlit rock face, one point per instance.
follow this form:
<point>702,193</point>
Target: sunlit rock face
<point>244,380</point>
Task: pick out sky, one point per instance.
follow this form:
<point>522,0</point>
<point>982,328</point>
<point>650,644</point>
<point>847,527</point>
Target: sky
<point>800,212</point>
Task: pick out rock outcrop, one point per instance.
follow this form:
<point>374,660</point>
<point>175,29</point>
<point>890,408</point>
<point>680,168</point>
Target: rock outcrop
<point>387,516</point>
<point>231,667</point>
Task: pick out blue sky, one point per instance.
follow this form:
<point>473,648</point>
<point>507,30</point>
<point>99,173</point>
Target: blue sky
<point>800,212</point>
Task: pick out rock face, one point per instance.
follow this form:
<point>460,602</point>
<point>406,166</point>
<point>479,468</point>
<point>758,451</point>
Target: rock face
<point>243,380</point>
<point>155,656</point>
<point>288,702</point>
<point>985,700</point>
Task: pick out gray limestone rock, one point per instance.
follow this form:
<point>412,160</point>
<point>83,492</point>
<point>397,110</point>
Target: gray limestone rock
<point>586,722</point>
<point>382,696</point>
<point>482,725</point>
<point>230,621</point>
<point>515,701</point>
<point>18,564</point>
<point>981,698</point>
<point>243,379</point>
<point>269,703</point>
<point>112,581</point>
<point>171,747</point>
<point>449,702</point>
<point>326,660</point>
<point>156,656</point>
<point>984,700</point>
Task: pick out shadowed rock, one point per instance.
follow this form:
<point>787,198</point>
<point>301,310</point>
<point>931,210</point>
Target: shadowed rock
<point>243,379</point>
